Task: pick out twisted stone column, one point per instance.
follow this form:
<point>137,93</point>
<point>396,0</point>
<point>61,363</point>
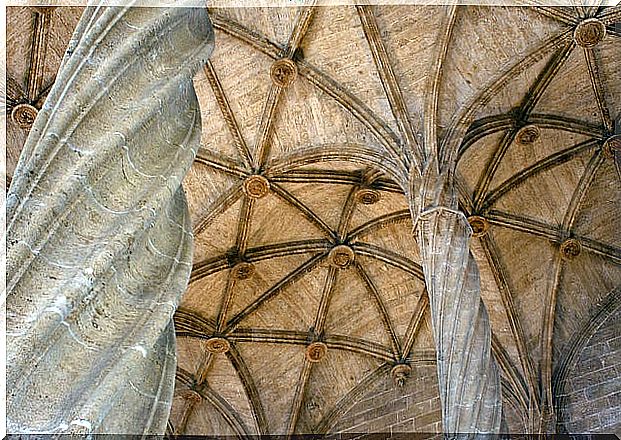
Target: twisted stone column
<point>99,243</point>
<point>468,378</point>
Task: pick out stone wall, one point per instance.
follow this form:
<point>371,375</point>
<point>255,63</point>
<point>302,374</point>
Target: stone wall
<point>414,407</point>
<point>592,393</point>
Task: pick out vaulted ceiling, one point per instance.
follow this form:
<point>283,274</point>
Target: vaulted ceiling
<point>306,284</point>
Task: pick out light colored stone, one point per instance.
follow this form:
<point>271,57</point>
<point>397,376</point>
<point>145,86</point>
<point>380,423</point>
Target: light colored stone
<point>351,120</point>
<point>468,378</point>
<point>99,241</point>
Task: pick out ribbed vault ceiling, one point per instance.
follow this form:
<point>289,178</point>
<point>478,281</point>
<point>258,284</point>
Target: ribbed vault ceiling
<point>318,252</point>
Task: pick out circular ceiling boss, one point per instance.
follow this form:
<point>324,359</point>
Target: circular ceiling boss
<point>283,72</point>
<point>589,32</point>
<point>316,351</point>
<point>570,249</point>
<point>341,256</point>
<point>367,196</point>
<point>256,186</point>
<point>242,270</point>
<point>191,396</point>
<point>217,345</point>
<point>479,225</point>
<point>611,146</point>
<point>527,134</point>
<point>24,115</point>
<point>400,373</point>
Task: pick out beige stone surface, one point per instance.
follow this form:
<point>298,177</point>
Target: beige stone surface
<point>342,117</point>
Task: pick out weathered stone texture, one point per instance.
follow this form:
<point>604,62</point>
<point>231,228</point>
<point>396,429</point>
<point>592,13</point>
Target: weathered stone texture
<point>99,242</point>
<point>592,393</point>
<point>362,103</point>
<point>468,377</point>
<point>386,407</point>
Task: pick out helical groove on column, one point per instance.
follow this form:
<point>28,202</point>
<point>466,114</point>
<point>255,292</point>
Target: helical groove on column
<point>99,241</point>
<point>468,378</point>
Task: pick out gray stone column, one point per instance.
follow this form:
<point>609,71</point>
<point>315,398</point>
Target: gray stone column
<point>99,242</point>
<point>468,378</point>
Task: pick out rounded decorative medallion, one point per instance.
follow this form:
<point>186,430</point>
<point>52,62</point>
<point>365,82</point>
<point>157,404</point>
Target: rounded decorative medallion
<point>570,249</point>
<point>589,32</point>
<point>217,345</point>
<point>24,115</point>
<point>191,396</point>
<point>400,373</point>
<point>256,186</point>
<point>341,256</point>
<point>283,72</point>
<point>316,351</point>
<point>611,146</point>
<point>367,196</point>
<point>479,225</point>
<point>527,134</point>
<point>242,270</point>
